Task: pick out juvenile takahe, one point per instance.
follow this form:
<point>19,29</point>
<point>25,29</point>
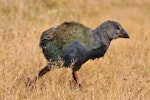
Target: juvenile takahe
<point>73,41</point>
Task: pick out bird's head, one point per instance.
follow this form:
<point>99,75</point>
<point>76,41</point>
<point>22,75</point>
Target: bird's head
<point>114,30</point>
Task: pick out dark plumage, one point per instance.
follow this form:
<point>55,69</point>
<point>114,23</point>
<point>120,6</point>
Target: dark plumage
<point>74,41</point>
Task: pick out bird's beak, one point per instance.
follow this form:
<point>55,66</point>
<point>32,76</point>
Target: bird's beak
<point>124,34</point>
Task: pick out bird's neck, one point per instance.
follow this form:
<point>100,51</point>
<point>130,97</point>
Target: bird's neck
<point>102,41</point>
<point>100,37</point>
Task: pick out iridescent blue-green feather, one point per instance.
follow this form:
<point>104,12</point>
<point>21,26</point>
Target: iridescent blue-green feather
<point>63,36</point>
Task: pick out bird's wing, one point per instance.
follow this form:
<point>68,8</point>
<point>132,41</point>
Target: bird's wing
<point>65,34</point>
<point>76,52</point>
<point>69,32</point>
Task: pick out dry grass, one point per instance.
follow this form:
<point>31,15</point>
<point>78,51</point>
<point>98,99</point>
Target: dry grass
<point>123,74</point>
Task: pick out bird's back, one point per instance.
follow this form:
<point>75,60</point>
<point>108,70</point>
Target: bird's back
<point>58,40</point>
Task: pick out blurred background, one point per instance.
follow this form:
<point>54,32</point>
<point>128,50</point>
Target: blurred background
<point>124,72</point>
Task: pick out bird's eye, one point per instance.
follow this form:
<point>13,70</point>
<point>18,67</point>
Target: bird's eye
<point>118,28</point>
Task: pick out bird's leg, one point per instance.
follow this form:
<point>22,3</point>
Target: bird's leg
<point>31,83</point>
<point>41,73</point>
<point>44,71</point>
<point>76,78</point>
